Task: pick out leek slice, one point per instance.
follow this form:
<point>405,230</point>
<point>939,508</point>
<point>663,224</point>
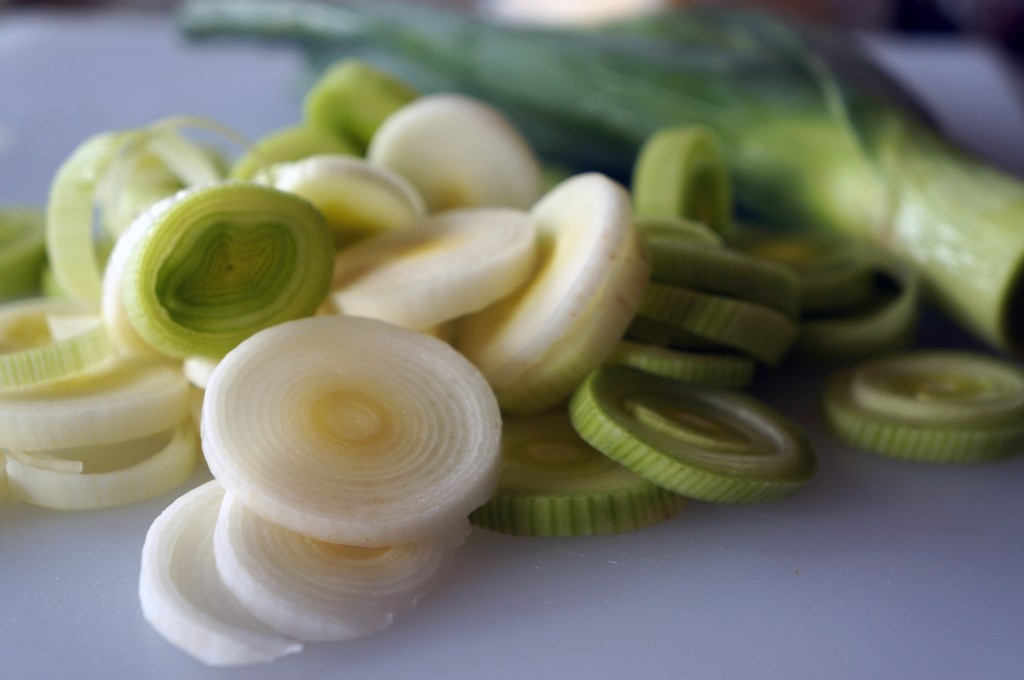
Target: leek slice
<point>68,484</point>
<point>555,484</point>
<point>352,430</point>
<point>183,597</point>
<point>677,229</point>
<point>286,145</point>
<point>697,368</point>
<point>31,355</point>
<point>220,263</point>
<point>449,265</point>
<point>459,152</point>
<point>537,344</point>
<point>353,98</point>
<point>710,444</point>
<point>21,251</point>
<point>757,330</point>
<point>934,406</point>
<point>681,172</point>
<point>125,400</point>
<point>315,591</point>
<point>356,198</point>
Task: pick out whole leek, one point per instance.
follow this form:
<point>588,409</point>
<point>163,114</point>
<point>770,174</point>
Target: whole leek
<point>814,136</point>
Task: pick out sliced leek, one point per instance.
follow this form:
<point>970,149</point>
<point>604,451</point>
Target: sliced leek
<point>934,406</point>
<point>125,400</point>
<point>315,591</point>
<point>183,597</point>
<point>677,229</point>
<point>710,444</point>
<point>222,262</point>
<point>536,345</point>
<point>288,144</point>
<point>22,253</point>
<point>697,368</point>
<point>555,484</point>
<point>353,98</point>
<point>680,172</point>
<point>31,355</point>
<point>198,370</point>
<point>459,152</point>
<point>352,430</point>
<point>168,461</point>
<point>449,265</point>
<point>356,198</point>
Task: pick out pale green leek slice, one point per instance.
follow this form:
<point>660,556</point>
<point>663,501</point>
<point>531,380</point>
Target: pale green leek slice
<point>711,444</point>
<point>932,406</point>
<point>22,253</point>
<point>555,484</point>
<point>459,152</point>
<point>183,597</point>
<point>697,368</point>
<point>222,262</point>
<point>353,98</point>
<point>167,461</point>
<point>286,145</point>
<point>31,354</point>
<point>681,172</point>
<point>677,229</point>
<point>315,591</point>
<point>358,199</point>
<point>125,400</point>
<point>451,264</point>
<point>352,430</point>
<point>537,344</point>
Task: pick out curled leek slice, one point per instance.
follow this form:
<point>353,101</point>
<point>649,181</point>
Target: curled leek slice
<point>31,355</point>
<point>353,98</point>
<point>356,198</point>
<point>555,484</point>
<point>436,141</point>
<point>680,172</point>
<point>352,430</point>
<point>449,265</point>
<point>125,400</point>
<point>183,597</point>
<point>315,591</point>
<point>697,368</point>
<point>220,263</point>
<point>537,344</point>
<point>710,444</point>
<point>933,406</point>
<point>21,251</point>
<point>66,483</point>
<point>285,145</point>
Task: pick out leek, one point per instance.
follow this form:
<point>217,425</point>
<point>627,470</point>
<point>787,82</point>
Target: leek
<point>812,134</point>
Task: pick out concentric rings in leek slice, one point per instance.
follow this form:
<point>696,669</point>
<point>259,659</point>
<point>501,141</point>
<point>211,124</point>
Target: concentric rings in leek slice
<point>710,444</point>
<point>352,430</point>
<point>555,484</point>
<point>22,253</point>
<point>223,262</point>
<point>30,355</point>
<point>681,172</point>
<point>933,406</point>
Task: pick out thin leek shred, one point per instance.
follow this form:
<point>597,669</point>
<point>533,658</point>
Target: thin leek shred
<point>351,430</point>
<point>183,597</point>
<point>814,135</point>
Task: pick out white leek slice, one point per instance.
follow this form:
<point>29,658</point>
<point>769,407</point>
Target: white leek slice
<point>536,345</point>
<point>127,400</point>
<point>459,152</point>
<point>31,354</point>
<point>451,264</point>
<point>315,591</point>
<point>356,198</point>
<point>352,430</point>
<point>183,597</point>
<point>68,484</point>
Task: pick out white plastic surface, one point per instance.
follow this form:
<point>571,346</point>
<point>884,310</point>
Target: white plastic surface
<point>879,569</point>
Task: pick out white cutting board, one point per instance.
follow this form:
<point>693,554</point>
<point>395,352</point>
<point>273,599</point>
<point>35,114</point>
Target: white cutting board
<point>877,569</point>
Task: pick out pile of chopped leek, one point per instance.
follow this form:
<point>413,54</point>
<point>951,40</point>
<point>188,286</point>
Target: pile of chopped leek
<point>384,325</point>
